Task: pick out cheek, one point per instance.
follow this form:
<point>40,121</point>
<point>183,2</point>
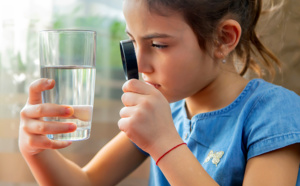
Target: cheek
<point>177,83</point>
<point>185,75</point>
<point>183,67</point>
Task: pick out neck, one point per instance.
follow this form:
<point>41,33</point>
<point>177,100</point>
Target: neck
<point>218,94</point>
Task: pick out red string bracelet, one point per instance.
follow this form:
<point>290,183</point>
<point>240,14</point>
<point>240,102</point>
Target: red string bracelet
<point>169,151</point>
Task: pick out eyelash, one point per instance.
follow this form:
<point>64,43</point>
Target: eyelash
<point>159,46</point>
<point>155,45</point>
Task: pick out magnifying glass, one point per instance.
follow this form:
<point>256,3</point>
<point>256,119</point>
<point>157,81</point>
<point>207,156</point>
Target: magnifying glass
<point>129,60</point>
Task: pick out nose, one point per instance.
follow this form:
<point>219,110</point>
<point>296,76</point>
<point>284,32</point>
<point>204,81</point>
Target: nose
<point>143,59</point>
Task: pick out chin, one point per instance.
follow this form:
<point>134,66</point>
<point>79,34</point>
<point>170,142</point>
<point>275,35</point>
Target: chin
<point>172,99</point>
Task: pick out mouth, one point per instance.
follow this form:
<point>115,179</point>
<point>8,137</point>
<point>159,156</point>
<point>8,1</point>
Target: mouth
<point>153,84</point>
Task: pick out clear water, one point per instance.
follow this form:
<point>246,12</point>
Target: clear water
<point>74,86</point>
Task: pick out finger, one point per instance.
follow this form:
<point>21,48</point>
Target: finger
<point>37,87</point>
<point>47,127</point>
<point>137,86</point>
<point>126,112</point>
<point>131,99</point>
<point>42,142</point>
<point>123,124</point>
<point>46,110</point>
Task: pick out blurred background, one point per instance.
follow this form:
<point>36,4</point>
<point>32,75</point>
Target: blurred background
<point>20,22</point>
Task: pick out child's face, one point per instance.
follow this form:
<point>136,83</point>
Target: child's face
<point>168,53</point>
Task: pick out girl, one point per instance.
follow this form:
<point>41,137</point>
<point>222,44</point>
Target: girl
<point>219,128</point>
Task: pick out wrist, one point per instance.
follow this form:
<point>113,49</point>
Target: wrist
<point>162,156</point>
<point>159,148</point>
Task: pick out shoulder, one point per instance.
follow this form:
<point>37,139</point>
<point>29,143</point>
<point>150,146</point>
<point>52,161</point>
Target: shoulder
<point>273,119</point>
<point>264,91</point>
<point>272,100</point>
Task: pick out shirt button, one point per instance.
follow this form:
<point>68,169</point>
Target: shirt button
<point>186,136</point>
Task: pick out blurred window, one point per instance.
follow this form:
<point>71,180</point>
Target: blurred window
<point>20,23</point>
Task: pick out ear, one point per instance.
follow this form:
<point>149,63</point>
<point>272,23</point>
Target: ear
<point>228,37</point>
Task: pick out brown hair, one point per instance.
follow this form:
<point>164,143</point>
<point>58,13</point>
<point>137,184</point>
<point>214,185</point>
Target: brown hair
<point>203,16</point>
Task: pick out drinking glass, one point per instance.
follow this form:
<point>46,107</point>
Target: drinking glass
<point>68,57</point>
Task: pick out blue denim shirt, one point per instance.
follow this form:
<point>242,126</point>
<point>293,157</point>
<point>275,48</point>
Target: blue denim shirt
<point>264,117</point>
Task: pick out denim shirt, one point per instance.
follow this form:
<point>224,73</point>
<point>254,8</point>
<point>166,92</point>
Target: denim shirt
<point>263,118</point>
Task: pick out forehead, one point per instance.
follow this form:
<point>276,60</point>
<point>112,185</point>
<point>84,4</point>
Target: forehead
<point>142,21</point>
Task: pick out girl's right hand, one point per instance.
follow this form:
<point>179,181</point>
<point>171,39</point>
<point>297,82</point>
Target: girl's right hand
<point>33,129</point>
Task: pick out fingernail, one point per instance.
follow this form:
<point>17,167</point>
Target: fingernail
<point>72,127</point>
<point>49,82</point>
<point>68,110</point>
<point>66,143</point>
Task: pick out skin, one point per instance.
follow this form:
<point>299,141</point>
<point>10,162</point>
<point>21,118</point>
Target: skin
<point>173,67</point>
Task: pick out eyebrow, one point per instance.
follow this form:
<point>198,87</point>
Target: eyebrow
<point>152,36</point>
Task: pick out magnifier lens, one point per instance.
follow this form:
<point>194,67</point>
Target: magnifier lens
<point>129,60</point>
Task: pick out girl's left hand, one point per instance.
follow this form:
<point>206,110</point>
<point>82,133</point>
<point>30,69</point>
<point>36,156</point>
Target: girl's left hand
<point>147,119</point>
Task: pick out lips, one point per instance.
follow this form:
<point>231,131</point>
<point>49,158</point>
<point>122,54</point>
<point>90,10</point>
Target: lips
<point>153,84</point>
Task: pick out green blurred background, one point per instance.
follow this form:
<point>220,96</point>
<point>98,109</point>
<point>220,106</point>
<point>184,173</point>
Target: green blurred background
<point>20,23</point>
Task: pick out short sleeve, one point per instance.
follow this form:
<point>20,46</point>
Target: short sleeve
<point>273,122</point>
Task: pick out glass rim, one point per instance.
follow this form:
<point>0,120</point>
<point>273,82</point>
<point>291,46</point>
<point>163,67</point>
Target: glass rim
<point>68,30</point>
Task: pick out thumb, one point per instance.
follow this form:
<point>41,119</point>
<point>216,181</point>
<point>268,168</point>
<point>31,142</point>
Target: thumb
<point>37,87</point>
<point>138,87</point>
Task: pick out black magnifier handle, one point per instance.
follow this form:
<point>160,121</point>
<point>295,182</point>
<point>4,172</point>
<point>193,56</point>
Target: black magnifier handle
<point>129,61</point>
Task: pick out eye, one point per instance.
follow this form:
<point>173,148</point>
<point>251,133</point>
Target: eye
<point>159,46</point>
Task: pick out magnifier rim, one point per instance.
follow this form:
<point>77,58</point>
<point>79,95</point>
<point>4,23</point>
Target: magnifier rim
<point>124,63</point>
<point>129,59</point>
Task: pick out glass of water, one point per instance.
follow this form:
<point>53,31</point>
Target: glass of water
<point>68,57</point>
